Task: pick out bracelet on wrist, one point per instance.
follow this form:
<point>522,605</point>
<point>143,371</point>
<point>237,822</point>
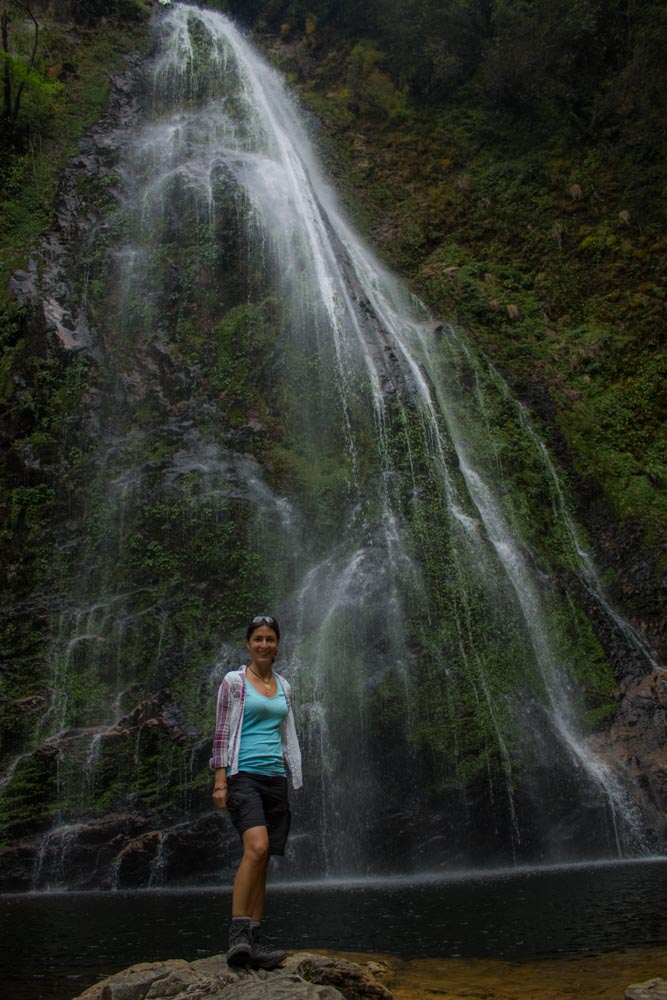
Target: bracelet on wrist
<point>220,788</point>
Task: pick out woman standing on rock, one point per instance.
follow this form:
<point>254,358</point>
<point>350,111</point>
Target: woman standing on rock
<point>254,748</point>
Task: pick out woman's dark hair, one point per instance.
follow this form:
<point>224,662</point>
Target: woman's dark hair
<point>260,620</point>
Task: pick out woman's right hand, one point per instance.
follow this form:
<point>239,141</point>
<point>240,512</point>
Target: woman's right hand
<point>220,797</point>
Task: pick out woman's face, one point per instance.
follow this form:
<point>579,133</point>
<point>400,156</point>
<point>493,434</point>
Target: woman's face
<point>263,646</point>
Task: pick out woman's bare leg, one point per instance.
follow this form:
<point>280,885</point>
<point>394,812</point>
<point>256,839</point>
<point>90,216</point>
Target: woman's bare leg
<point>250,882</point>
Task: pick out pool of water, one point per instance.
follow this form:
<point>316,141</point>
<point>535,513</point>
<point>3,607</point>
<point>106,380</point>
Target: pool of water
<point>54,945</point>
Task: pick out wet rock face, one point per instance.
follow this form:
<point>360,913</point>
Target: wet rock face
<point>82,852</point>
<point>136,843</point>
<point>45,289</point>
<point>641,582</point>
<point>120,850</point>
<point>636,744</point>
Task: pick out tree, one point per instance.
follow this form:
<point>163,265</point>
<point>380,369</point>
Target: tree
<point>21,74</point>
<point>15,71</point>
<point>637,95</point>
<point>544,52</point>
<point>434,46</point>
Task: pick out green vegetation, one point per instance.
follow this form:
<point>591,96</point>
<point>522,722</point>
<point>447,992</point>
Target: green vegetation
<point>55,73</point>
<point>514,172</point>
<point>56,83</point>
<point>506,159</point>
<point>65,87</point>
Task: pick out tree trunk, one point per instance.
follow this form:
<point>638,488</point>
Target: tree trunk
<point>33,55</point>
<point>6,78</point>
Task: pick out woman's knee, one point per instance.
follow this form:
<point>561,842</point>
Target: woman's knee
<point>256,845</point>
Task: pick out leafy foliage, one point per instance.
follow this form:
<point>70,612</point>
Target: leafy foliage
<point>596,63</point>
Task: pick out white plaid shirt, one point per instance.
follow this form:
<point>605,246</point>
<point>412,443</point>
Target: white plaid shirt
<point>227,738</point>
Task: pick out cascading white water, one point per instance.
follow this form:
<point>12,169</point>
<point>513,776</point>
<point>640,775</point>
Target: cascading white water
<point>266,151</point>
<point>435,657</point>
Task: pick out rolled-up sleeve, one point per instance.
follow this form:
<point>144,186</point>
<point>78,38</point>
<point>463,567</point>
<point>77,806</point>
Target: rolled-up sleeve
<point>290,741</point>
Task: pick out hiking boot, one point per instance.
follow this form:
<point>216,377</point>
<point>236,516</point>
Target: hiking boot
<point>263,956</point>
<point>240,937</point>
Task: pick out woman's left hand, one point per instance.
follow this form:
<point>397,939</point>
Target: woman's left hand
<point>220,797</point>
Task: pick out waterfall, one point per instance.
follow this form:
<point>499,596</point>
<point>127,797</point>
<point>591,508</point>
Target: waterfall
<point>285,428</point>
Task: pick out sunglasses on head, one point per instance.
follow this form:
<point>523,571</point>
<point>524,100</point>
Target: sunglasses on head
<point>263,620</point>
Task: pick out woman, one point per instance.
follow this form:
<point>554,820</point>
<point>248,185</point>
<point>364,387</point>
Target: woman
<point>254,747</point>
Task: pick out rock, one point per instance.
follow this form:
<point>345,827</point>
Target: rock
<point>156,979</point>
<point>303,977</point>
<point>635,745</point>
<point>45,289</point>
<point>175,982</point>
<point>652,989</point>
<point>131,845</point>
<point>348,978</point>
<point>282,986</point>
<point>133,984</point>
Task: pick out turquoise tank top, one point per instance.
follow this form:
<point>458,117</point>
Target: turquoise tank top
<point>261,749</point>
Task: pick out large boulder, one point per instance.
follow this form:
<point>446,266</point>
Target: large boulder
<point>303,977</point>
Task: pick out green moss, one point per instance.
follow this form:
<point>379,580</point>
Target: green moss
<point>525,241</point>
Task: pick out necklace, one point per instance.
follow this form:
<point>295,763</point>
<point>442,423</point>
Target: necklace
<point>262,679</point>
